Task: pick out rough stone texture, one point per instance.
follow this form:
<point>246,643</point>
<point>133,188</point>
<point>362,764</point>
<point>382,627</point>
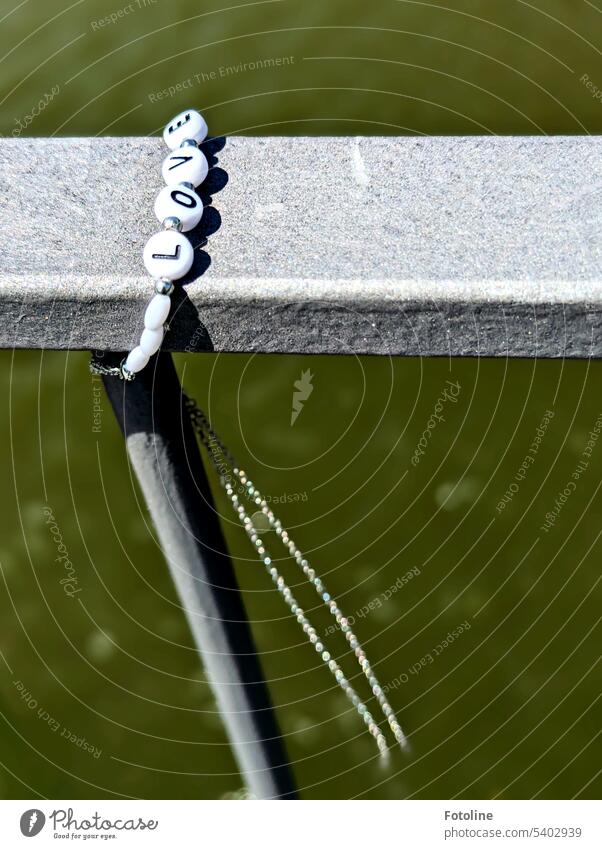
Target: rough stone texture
<point>164,455</point>
<point>416,246</point>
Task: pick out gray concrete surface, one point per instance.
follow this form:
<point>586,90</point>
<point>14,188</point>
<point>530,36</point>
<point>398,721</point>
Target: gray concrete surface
<point>403,246</point>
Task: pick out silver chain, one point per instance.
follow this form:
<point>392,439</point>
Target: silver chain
<point>98,368</point>
<point>236,483</point>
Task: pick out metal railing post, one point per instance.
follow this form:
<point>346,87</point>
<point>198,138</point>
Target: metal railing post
<point>165,456</point>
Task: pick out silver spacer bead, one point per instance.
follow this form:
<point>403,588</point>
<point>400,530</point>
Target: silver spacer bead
<point>187,185</point>
<point>189,143</point>
<point>164,287</point>
<point>172,223</point>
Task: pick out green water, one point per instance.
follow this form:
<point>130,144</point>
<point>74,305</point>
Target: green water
<point>101,693</point>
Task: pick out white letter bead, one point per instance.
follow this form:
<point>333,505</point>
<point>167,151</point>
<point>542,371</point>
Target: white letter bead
<point>136,360</point>
<point>168,254</point>
<point>185,165</point>
<point>180,202</point>
<point>187,125</point>
<point>156,312</point>
<point>150,341</point>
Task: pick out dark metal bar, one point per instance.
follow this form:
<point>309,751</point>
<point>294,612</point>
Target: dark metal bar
<point>164,453</point>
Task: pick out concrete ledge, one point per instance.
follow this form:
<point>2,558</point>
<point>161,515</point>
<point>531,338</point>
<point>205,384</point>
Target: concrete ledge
<point>416,246</point>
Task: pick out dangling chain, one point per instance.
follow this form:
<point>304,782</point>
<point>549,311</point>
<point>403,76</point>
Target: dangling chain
<point>230,476</point>
<point>168,256</point>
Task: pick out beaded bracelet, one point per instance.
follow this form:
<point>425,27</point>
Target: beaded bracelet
<point>168,255</point>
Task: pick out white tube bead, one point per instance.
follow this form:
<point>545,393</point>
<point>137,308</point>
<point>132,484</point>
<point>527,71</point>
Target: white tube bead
<point>150,341</point>
<point>157,312</point>
<point>136,360</point>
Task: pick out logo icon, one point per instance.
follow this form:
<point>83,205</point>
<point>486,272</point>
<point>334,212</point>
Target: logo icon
<point>32,822</point>
<point>304,387</point>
